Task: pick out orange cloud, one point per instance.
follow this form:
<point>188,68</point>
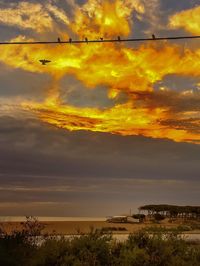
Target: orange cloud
<point>132,71</point>
<point>122,119</point>
<point>116,66</point>
<point>188,20</point>
<point>105,18</point>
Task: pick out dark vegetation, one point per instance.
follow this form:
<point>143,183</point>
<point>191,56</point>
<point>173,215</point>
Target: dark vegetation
<point>113,229</point>
<point>158,217</point>
<point>172,211</point>
<point>153,248</point>
<point>139,216</point>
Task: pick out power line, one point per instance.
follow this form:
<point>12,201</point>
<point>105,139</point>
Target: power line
<point>101,40</point>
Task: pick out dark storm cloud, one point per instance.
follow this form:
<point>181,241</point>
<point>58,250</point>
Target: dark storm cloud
<point>175,102</point>
<point>75,93</point>
<point>175,6</point>
<point>192,124</point>
<point>47,171</point>
<point>178,83</point>
<point>29,147</point>
<point>17,85</point>
<point>183,108</point>
<point>7,33</point>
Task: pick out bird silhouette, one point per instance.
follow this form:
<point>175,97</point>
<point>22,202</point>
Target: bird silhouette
<point>101,39</point>
<point>118,38</point>
<point>44,62</point>
<point>153,37</point>
<point>59,40</point>
<point>86,39</point>
<point>70,40</point>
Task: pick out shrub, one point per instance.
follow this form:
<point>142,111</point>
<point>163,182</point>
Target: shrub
<point>141,217</point>
<point>153,248</point>
<point>158,217</point>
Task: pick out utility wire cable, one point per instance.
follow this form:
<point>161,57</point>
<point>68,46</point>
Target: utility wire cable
<point>101,40</point>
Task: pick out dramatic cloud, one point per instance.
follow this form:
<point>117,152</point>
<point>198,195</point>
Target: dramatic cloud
<point>133,72</point>
<point>47,171</point>
<point>98,19</point>
<point>152,9</point>
<point>59,14</point>
<point>188,20</point>
<point>102,127</point>
<point>26,15</point>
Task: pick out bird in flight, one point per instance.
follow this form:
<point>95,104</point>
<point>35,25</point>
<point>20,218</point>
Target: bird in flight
<point>44,61</point>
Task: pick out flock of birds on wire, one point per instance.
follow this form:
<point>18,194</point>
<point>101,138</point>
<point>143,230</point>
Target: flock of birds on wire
<point>86,40</point>
<point>100,40</point>
<point>44,61</point>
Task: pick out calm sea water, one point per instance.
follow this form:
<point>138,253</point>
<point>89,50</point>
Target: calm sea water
<point>54,219</point>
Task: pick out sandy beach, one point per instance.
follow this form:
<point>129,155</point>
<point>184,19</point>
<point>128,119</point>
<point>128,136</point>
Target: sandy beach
<point>86,226</point>
<point>77,227</point>
<point>74,227</point>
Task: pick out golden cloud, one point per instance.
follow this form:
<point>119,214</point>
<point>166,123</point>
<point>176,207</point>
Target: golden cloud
<point>133,71</point>
<point>26,16</point>
<point>188,20</point>
<point>105,18</point>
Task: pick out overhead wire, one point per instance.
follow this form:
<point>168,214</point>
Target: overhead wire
<point>101,40</point>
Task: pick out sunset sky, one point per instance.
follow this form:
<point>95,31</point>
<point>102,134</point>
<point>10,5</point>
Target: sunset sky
<point>103,127</point>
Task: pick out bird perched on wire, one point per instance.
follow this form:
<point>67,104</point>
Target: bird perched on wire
<point>86,40</point>
<point>153,36</point>
<point>70,40</point>
<point>118,38</point>
<point>59,40</point>
<point>101,39</point>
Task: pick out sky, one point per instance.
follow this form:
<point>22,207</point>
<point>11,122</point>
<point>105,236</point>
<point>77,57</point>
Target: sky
<point>103,128</point>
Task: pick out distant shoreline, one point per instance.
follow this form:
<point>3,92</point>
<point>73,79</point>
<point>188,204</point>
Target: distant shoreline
<point>51,219</point>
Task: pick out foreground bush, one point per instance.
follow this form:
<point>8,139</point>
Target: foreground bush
<point>96,249</point>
